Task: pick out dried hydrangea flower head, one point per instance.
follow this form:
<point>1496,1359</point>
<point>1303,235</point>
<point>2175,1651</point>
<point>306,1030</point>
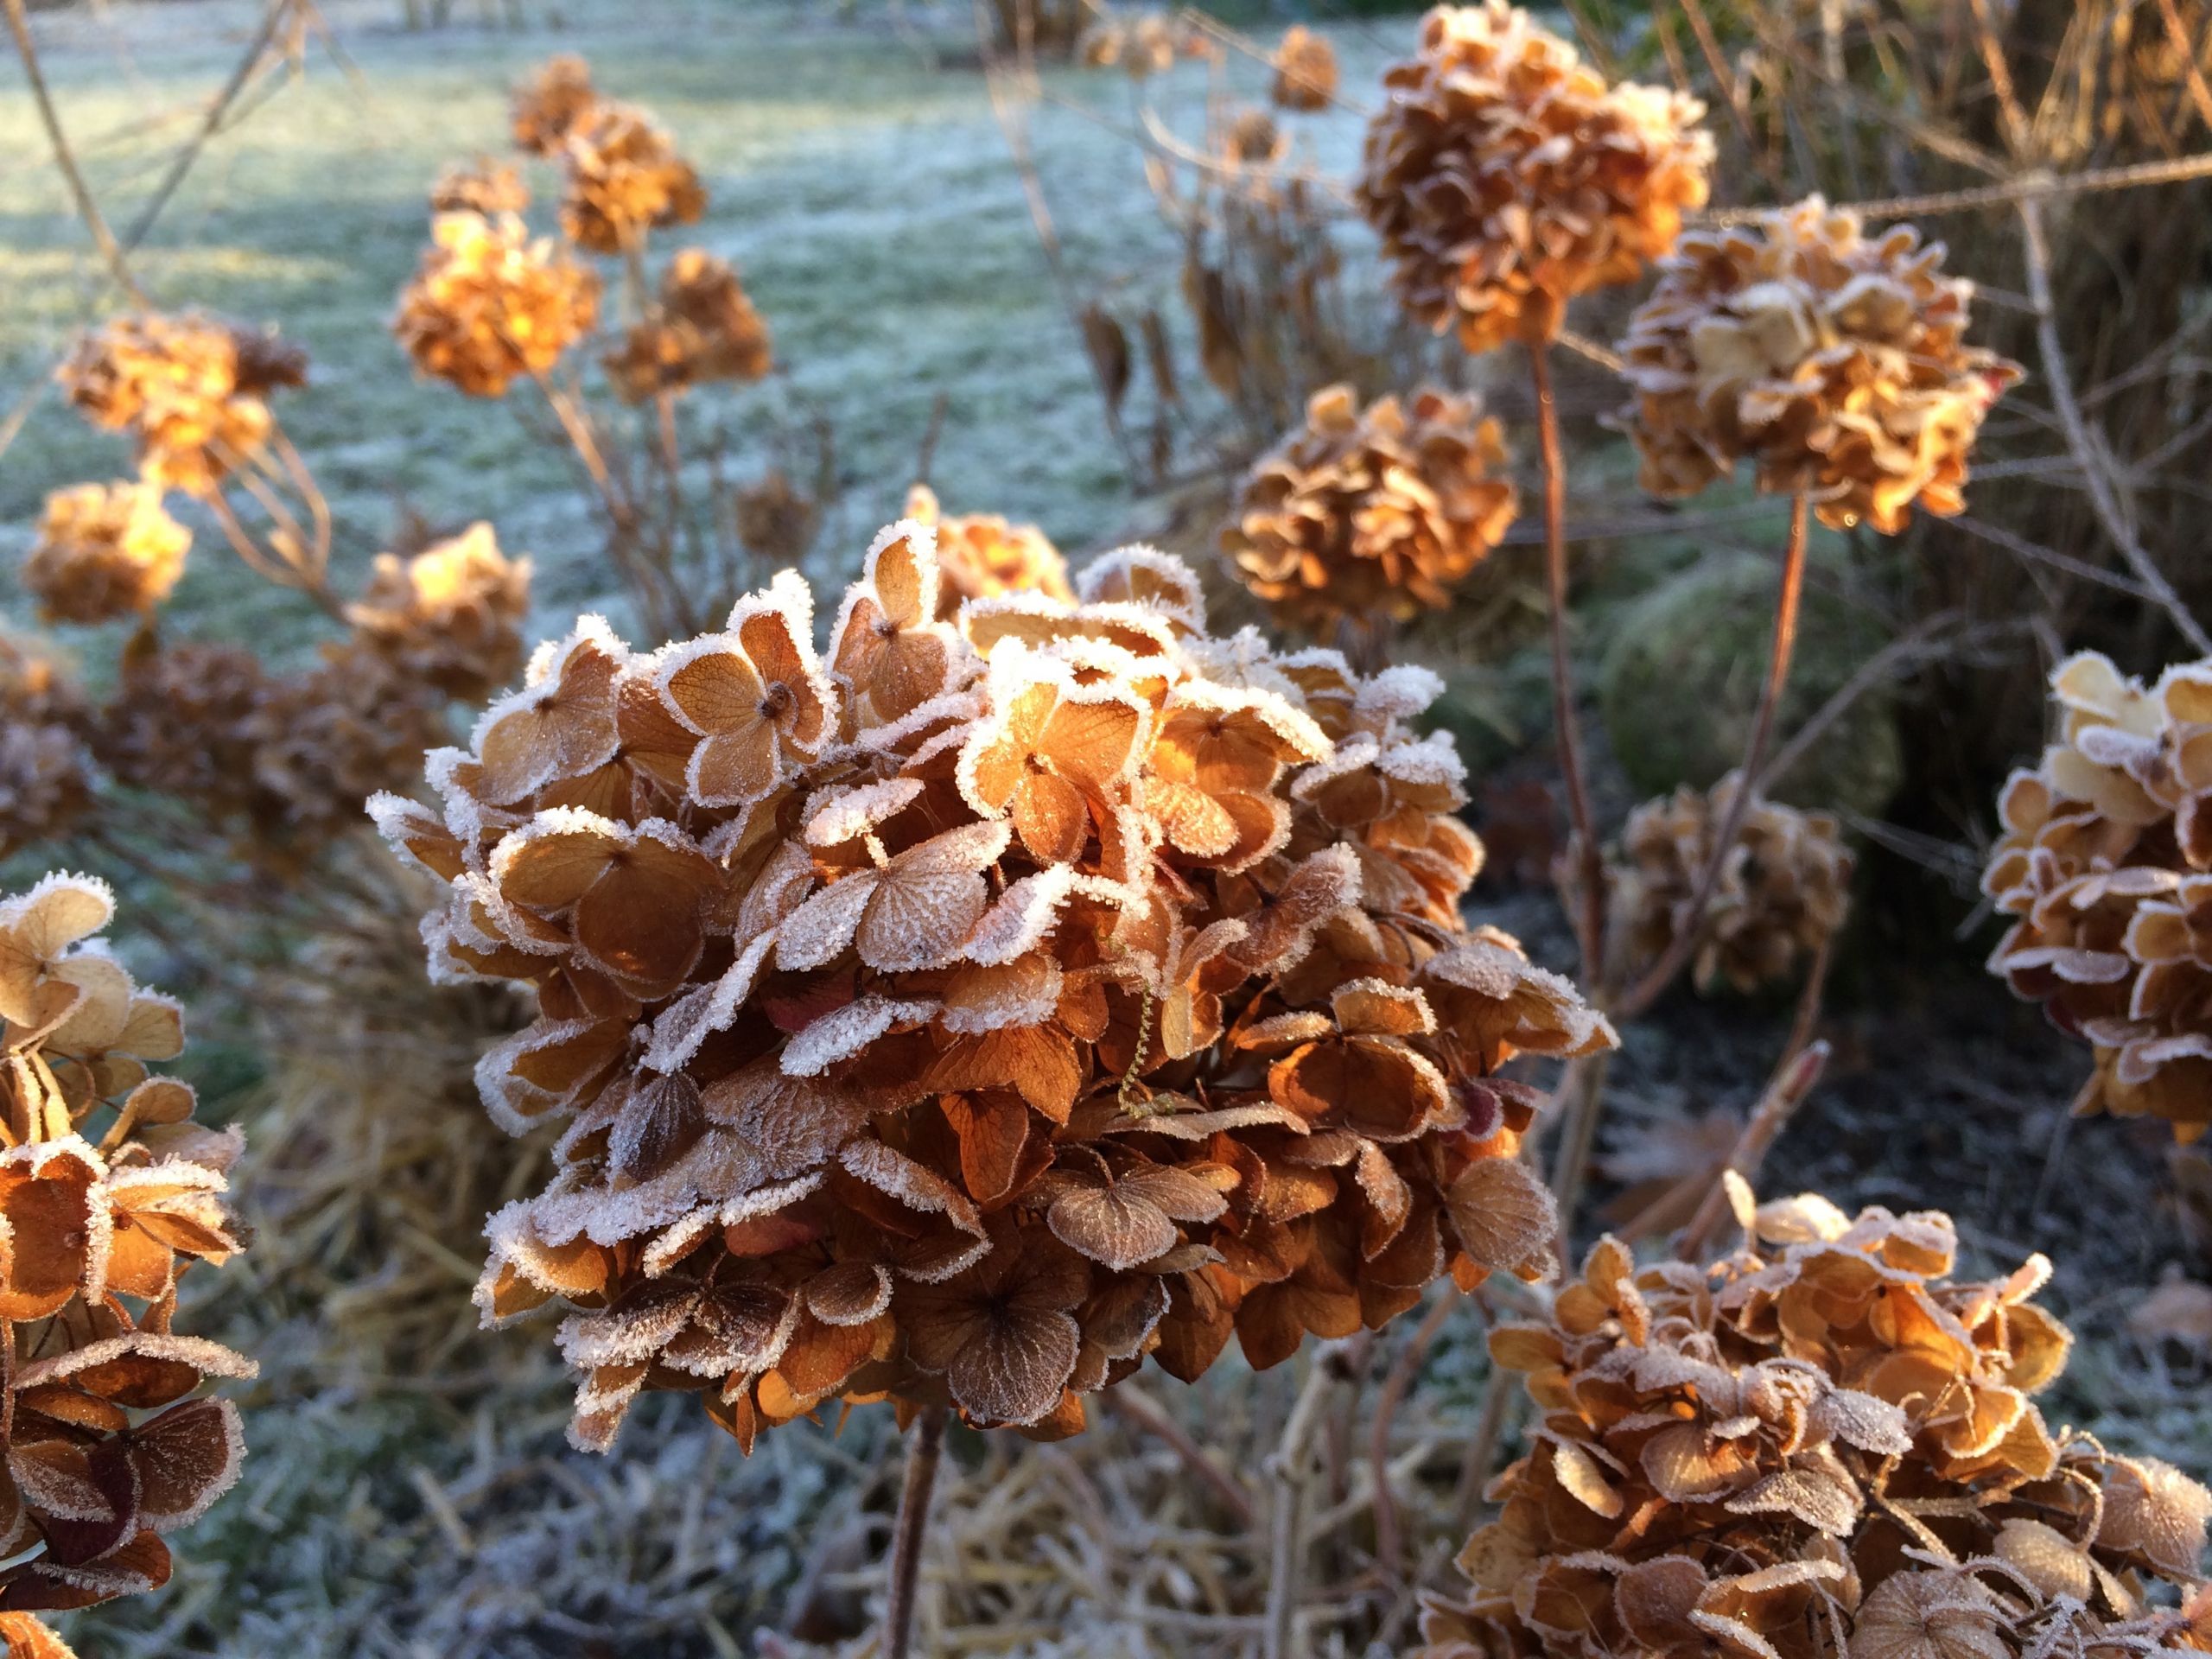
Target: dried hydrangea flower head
<point>178,723</point>
<point>193,394</point>
<point>450,616</point>
<point>1373,511</point>
<point>1835,363</point>
<point>2106,867</point>
<point>105,550</point>
<point>546,105</point>
<point>981,556</point>
<point>1783,892</point>
<point>1820,1445</point>
<point>775,519</point>
<point>45,769</point>
<point>1305,71</point>
<point>1143,43</point>
<point>486,187</point>
<point>703,329</point>
<point>624,179</point>
<point>110,1192</point>
<point>490,304</point>
<point>1505,177</point>
<point>968,1011</point>
<point>1255,139</point>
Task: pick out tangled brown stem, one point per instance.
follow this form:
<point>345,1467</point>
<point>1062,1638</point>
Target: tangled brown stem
<point>1590,926</point>
<point>924,1453</point>
<point>1647,990</point>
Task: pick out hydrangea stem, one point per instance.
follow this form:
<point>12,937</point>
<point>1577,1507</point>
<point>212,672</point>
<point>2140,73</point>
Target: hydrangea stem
<point>924,1453</point>
<point>1640,996</point>
<point>1590,925</point>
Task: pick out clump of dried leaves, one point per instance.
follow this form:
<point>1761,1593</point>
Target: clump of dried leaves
<point>1505,177</point>
<point>972,1011</point>
<point>1371,513</point>
<point>105,550</point>
<point>1836,364</point>
<point>2106,867</point>
<point>1783,890</point>
<point>1819,1446</point>
<point>491,304</point>
<point>109,1444</point>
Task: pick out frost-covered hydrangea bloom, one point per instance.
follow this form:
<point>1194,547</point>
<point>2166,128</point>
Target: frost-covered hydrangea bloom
<point>1819,1447</point>
<point>972,1009</point>
<point>110,1446</point>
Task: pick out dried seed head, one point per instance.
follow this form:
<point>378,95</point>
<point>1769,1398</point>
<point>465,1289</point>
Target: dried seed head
<point>2106,867</point>
<point>105,550</point>
<point>775,519</point>
<point>556,95</point>
<point>624,179</point>
<point>1305,71</point>
<point>1371,511</point>
<point>1505,177</point>
<point>45,769</point>
<point>109,1193</point>
<point>1142,44</point>
<point>1783,892</point>
<point>191,393</point>
<point>450,616</point>
<point>489,305</point>
<point>1016,991</point>
<point>981,556</point>
<point>703,329</point>
<point>1723,1452</point>
<point>1836,364</point>
<point>487,187</point>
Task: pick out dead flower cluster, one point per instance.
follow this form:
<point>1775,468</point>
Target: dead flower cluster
<point>281,761</point>
<point>2106,867</point>
<point>1783,891</point>
<point>1835,363</point>
<point>1819,1446</point>
<point>46,770</point>
<point>704,329</point>
<point>191,393</point>
<point>1142,44</point>
<point>1304,71</point>
<point>985,1006</point>
<point>1374,511</point>
<point>110,1446</point>
<point>981,556</point>
<point>1505,177</point>
<point>491,304</point>
<point>105,550</point>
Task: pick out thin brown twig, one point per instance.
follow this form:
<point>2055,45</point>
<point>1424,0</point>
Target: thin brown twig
<point>88,209</point>
<point>923,1453</point>
<point>1390,1549</point>
<point>1793,1079</point>
<point>2193,78</point>
<point>1646,990</point>
<point>2090,453</point>
<point>1589,928</point>
<point>189,153</point>
<point>1287,1468</point>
